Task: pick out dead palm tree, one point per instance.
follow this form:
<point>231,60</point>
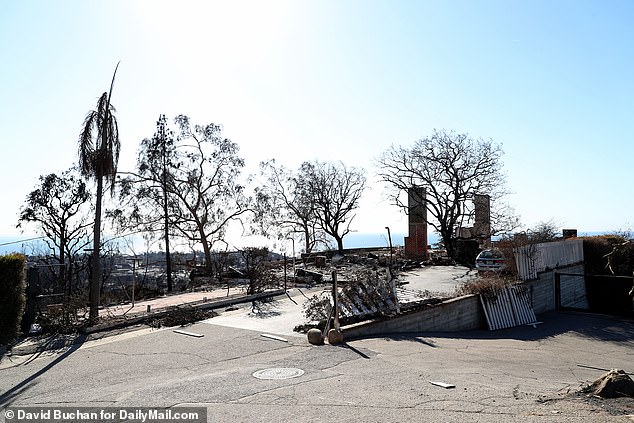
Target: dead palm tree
<point>98,157</point>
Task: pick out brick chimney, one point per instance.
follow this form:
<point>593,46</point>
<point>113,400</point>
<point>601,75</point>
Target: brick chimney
<point>416,242</point>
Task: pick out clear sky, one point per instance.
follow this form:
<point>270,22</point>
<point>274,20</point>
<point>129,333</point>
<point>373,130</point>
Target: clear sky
<point>553,81</point>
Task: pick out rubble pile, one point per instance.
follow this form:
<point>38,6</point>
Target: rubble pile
<point>368,287</point>
<point>317,268</point>
<point>616,383</point>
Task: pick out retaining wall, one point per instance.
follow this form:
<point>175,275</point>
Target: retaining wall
<point>543,288</point>
<point>457,314</point>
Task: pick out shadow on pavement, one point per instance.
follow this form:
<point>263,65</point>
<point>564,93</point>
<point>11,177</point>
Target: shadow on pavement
<point>7,397</point>
<point>598,327</point>
<point>353,349</point>
<point>264,309</point>
<point>399,337</point>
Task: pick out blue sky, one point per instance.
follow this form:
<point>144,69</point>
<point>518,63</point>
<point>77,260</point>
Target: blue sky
<point>336,80</point>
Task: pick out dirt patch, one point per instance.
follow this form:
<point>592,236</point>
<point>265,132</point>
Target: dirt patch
<point>623,406</point>
<point>613,393</point>
<point>614,384</point>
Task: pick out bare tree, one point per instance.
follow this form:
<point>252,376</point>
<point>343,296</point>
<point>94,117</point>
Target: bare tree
<point>203,182</point>
<point>254,259</point>
<point>335,191</point>
<point>59,207</point>
<point>185,185</point>
<point>504,219</point>
<point>144,195</point>
<point>284,206</point>
<point>452,168</point>
<point>545,231</point>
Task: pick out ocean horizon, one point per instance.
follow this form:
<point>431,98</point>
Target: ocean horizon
<point>30,244</point>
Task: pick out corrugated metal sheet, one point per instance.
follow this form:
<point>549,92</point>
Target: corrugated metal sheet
<point>508,307</point>
<point>535,258</point>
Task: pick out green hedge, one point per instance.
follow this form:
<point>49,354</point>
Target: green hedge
<point>12,296</point>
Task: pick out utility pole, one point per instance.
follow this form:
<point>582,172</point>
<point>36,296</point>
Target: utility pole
<point>134,262</point>
<point>389,239</point>
<point>293,241</point>
<point>168,259</point>
<point>89,253</point>
<point>335,294</point>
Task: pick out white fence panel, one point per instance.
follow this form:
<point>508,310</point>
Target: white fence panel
<point>535,258</point>
<point>508,307</point>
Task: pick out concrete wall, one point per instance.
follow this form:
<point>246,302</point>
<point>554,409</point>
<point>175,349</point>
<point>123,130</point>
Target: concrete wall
<point>573,292</point>
<point>460,314</point>
<point>543,289</point>
<point>542,292</point>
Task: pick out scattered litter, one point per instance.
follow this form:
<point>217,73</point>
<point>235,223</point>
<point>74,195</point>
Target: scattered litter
<point>443,384</point>
<point>184,332</point>
<point>277,338</point>
<point>315,276</point>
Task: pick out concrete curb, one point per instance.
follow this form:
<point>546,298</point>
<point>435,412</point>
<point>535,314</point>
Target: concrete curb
<point>52,342</point>
<point>211,305</point>
<point>55,342</point>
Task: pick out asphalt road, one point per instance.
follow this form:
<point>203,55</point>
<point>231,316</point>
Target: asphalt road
<point>521,374</point>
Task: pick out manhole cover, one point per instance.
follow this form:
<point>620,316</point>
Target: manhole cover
<point>278,373</point>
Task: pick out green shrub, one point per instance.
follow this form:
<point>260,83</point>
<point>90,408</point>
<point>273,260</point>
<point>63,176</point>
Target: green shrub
<point>12,295</point>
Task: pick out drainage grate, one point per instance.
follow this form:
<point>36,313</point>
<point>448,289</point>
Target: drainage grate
<point>278,373</point>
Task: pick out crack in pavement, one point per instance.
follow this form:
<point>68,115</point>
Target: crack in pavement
<point>277,388</point>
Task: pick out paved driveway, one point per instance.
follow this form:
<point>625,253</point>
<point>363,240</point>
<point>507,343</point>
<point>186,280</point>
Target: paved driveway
<point>437,279</point>
<point>278,316</point>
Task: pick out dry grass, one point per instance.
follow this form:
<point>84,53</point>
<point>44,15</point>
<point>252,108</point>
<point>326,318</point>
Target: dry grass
<point>485,285</point>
